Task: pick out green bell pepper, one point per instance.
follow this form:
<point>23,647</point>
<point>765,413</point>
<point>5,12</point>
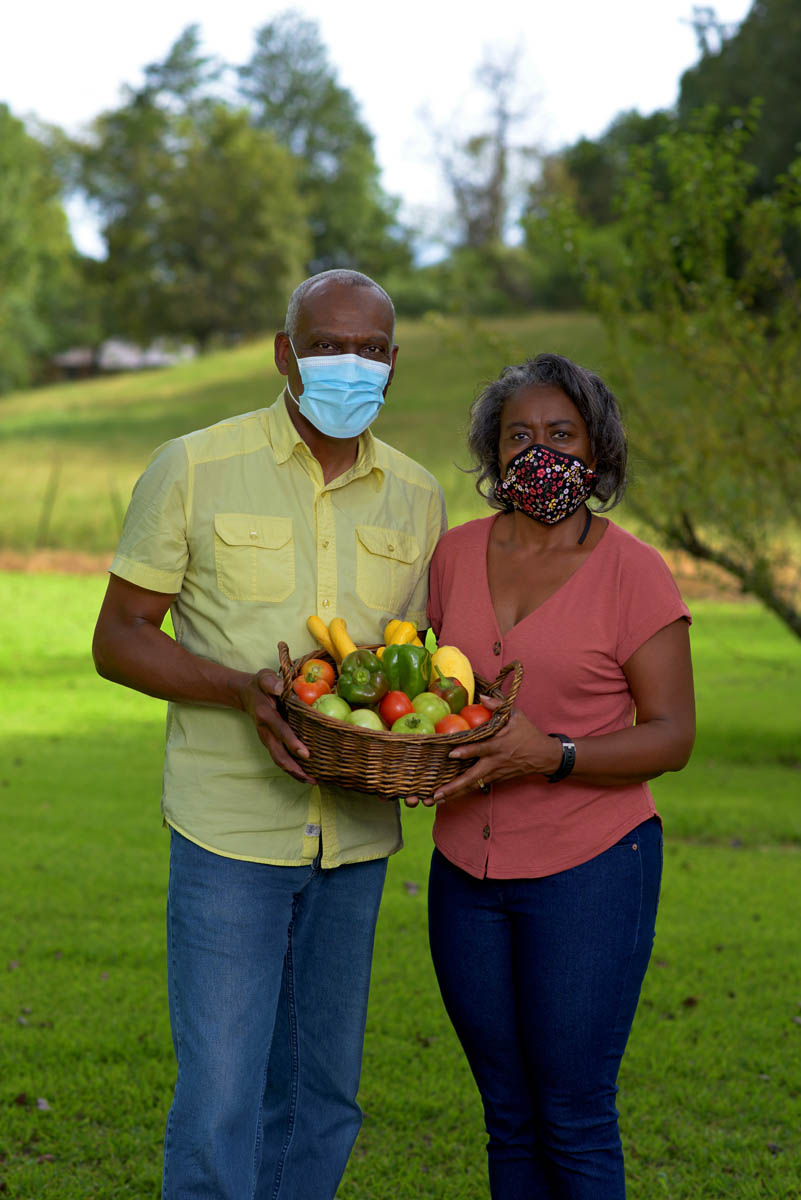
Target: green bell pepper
<point>362,679</point>
<point>408,669</point>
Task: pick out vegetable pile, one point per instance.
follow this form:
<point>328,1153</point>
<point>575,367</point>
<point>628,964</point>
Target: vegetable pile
<point>405,686</point>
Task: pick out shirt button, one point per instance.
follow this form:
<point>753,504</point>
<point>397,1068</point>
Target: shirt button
<point>326,603</point>
<point>253,533</point>
<point>496,649</point>
<point>325,544</point>
<point>486,831</point>
<point>390,547</point>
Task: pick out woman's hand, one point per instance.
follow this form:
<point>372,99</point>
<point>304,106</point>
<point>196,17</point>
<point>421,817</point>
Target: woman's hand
<point>520,748</point>
<point>659,675</point>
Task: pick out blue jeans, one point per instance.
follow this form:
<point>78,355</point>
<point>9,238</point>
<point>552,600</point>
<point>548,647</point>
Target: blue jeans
<point>541,979</point>
<point>269,970</point>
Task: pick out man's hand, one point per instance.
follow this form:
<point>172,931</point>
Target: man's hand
<point>258,701</point>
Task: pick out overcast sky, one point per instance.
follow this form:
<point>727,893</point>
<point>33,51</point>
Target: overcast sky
<point>582,62</point>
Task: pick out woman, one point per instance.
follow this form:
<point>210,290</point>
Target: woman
<point>545,876</point>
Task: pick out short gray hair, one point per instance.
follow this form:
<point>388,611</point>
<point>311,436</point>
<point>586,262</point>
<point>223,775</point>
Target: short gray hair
<point>596,404</point>
<point>339,275</point>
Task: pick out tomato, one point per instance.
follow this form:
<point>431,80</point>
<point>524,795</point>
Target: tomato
<point>307,691</point>
<point>393,706</point>
<point>453,723</point>
<point>475,714</point>
<point>317,668</point>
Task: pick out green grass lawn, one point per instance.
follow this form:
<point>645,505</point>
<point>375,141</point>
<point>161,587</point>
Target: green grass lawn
<point>710,1089</point>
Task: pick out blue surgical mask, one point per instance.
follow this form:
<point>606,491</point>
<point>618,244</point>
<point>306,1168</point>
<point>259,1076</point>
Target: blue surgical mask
<point>342,393</point>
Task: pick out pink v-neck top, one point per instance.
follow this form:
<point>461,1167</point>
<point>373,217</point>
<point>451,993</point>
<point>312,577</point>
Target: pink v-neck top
<point>572,647</point>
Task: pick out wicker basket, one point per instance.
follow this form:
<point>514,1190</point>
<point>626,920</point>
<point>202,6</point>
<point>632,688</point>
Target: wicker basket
<point>382,763</point>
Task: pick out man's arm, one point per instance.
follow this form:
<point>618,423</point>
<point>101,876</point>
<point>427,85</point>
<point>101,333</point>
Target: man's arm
<point>130,648</point>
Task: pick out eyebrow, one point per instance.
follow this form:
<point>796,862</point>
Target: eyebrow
<point>551,424</point>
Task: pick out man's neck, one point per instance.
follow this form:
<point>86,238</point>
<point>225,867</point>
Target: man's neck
<point>335,455</point>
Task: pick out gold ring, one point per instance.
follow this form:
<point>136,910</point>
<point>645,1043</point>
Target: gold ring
<point>482,786</point>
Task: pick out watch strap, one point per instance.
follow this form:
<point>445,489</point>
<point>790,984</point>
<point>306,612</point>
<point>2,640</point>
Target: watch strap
<point>568,758</point>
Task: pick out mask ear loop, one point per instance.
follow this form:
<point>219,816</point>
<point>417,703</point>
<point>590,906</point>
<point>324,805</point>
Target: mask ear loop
<point>586,528</point>
<point>288,388</point>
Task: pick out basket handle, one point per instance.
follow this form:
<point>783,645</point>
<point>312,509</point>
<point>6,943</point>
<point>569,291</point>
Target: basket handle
<point>516,667</point>
<point>285,662</point>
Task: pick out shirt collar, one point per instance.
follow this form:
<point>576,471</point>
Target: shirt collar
<point>285,440</point>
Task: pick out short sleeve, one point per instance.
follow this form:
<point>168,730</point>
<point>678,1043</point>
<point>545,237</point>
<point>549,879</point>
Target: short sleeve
<point>153,550</point>
<point>649,600</point>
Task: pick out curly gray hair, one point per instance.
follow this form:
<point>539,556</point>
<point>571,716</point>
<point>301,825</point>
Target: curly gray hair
<point>594,401</point>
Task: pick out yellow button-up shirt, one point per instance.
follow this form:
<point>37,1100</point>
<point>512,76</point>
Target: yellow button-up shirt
<point>238,522</point>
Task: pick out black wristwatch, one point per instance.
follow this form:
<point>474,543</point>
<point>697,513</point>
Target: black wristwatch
<point>568,758</point>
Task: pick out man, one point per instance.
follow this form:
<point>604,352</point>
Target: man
<point>244,529</point>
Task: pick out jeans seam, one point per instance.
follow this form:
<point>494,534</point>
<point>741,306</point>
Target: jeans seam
<point>178,1042</point>
<point>293,1058</point>
<point>624,982</point>
<point>259,1130</point>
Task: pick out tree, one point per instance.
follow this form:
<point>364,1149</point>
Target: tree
<point>588,175</point>
<point>41,297</point>
<point>205,230</point>
<point>708,284</point>
<point>484,172</point>
<point>590,171</point>
<point>292,92</point>
<point>757,59</point>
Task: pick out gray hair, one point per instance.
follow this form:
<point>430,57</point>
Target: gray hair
<point>594,401</point>
<point>338,275</point>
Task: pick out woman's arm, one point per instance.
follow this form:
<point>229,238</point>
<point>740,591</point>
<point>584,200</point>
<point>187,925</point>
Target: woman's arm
<point>660,677</point>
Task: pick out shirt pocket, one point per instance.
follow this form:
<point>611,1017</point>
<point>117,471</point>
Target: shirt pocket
<point>387,567</point>
<point>254,556</point>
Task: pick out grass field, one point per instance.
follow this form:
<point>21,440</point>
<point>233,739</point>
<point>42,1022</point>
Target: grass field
<point>711,1086</point>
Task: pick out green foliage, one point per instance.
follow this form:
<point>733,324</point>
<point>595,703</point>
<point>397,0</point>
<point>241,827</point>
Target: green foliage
<point>41,299</point>
<point>709,1098</point>
<point>590,171</point>
<point>758,59</point>
<point>205,231</point>
<point>707,279</point>
<point>292,91</point>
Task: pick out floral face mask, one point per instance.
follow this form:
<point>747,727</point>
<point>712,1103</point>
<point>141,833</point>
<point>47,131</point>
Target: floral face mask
<point>545,484</point>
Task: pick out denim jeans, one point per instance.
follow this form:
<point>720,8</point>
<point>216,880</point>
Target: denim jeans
<point>268,971</point>
<point>541,979</point>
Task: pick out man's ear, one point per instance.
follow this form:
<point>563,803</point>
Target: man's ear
<point>283,352</point>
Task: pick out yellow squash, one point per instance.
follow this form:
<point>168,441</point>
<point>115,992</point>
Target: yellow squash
<point>400,633</point>
<point>343,642</point>
<point>319,631</point>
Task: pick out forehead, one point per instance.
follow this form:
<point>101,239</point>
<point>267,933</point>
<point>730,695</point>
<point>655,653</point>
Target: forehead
<point>541,403</point>
<point>335,308</point>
